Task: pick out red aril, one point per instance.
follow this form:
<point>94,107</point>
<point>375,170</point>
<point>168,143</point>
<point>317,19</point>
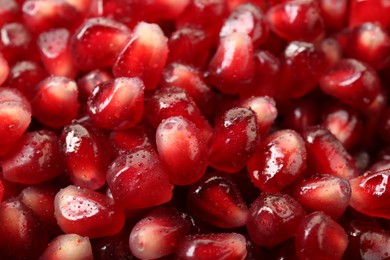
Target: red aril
<point>144,56</point>
<point>117,103</point>
<point>4,69</point>
<point>332,50</point>
<point>89,81</point>
<point>113,247</point>
<point>280,160</point>
<point>87,213</point>
<point>216,199</point>
<point>68,246</point>
<point>9,11</point>
<point>334,13</point>
<point>362,11</point>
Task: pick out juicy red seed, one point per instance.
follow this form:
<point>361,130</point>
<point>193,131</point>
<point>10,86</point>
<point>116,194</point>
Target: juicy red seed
<point>237,129</point>
<point>4,69</point>
<point>352,82</point>
<point>24,76</point>
<point>55,54</point>
<point>273,218</point>
<point>320,236</point>
<point>158,233</point>
<point>327,155</point>
<point>68,246</point>
<point>216,199</point>
<point>326,193</point>
<point>98,42</point>
<point>144,56</point>
<point>173,101</point>
<point>332,50</point>
<point>89,81</point>
<point>212,246</point>
<point>232,65</point>
<point>370,193</point>
<point>22,234</point>
<point>248,19</point>
<point>302,65</point>
<point>15,114</point>
<point>117,103</point>
<point>55,101</point>
<point>87,213</point>
<point>344,123</point>
<point>113,247</point>
<point>296,20</point>
<point>33,159</point>
<point>369,11</point>
<point>182,149</point>
<point>138,179</point>
<point>334,13</point>
<point>191,80</point>
<point>9,11</point>
<point>280,160</point>
<point>85,154</point>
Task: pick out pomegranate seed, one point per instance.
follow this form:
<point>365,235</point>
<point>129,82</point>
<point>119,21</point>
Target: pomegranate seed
<point>352,82</point>
<point>4,69</point>
<point>21,232</point>
<point>89,81</point>
<point>327,155</point>
<point>238,130</point>
<point>320,236</point>
<point>369,11</point>
<point>68,246</point>
<point>113,247</point>
<point>24,76</point>
<point>98,42</point>
<point>233,64</point>
<point>9,11</point>
<point>82,6</point>
<point>273,218</point>
<point>332,50</point>
<point>144,56</point>
<point>173,101</point>
<point>191,80</point>
<point>182,149</point>
<point>334,13</point>
<point>43,15</point>
<point>138,179</point>
<point>216,199</point>
<point>248,19</point>
<point>33,159</point>
<point>87,213</point>
<point>55,101</point>
<point>296,20</point>
<point>227,246</point>
<point>55,53</point>
<point>85,155</point>
<point>117,103</point>
<point>326,193</point>
<point>281,159</point>
<point>369,193</point>
<point>158,233</point>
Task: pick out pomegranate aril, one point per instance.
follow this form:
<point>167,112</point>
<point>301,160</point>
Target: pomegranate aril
<point>362,11</point>
<point>82,6</point>
<point>174,101</point>
<point>182,149</point>
<point>55,101</point>
<point>138,179</point>
<point>326,193</point>
<point>24,76</point>
<point>89,81</point>
<point>227,246</point>
<point>280,160</point>
<point>98,42</point>
<point>43,15</point>
<point>144,56</point>
<point>4,69</point>
<point>55,54</point>
<point>158,233</point>
<point>334,13</point>
<point>248,19</point>
<point>68,246</point>
<point>320,236</point>
<point>370,193</point>
<point>352,82</point>
<point>117,103</point>
<point>216,200</point>
<point>327,155</point>
<point>86,155</point>
<point>34,158</point>
<point>22,235</point>
<point>296,20</point>
<point>113,247</point>
<point>273,218</point>
<point>332,50</point>
<point>236,129</point>
<point>9,11</point>
<point>232,65</point>
<point>191,80</point>
<point>87,213</point>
